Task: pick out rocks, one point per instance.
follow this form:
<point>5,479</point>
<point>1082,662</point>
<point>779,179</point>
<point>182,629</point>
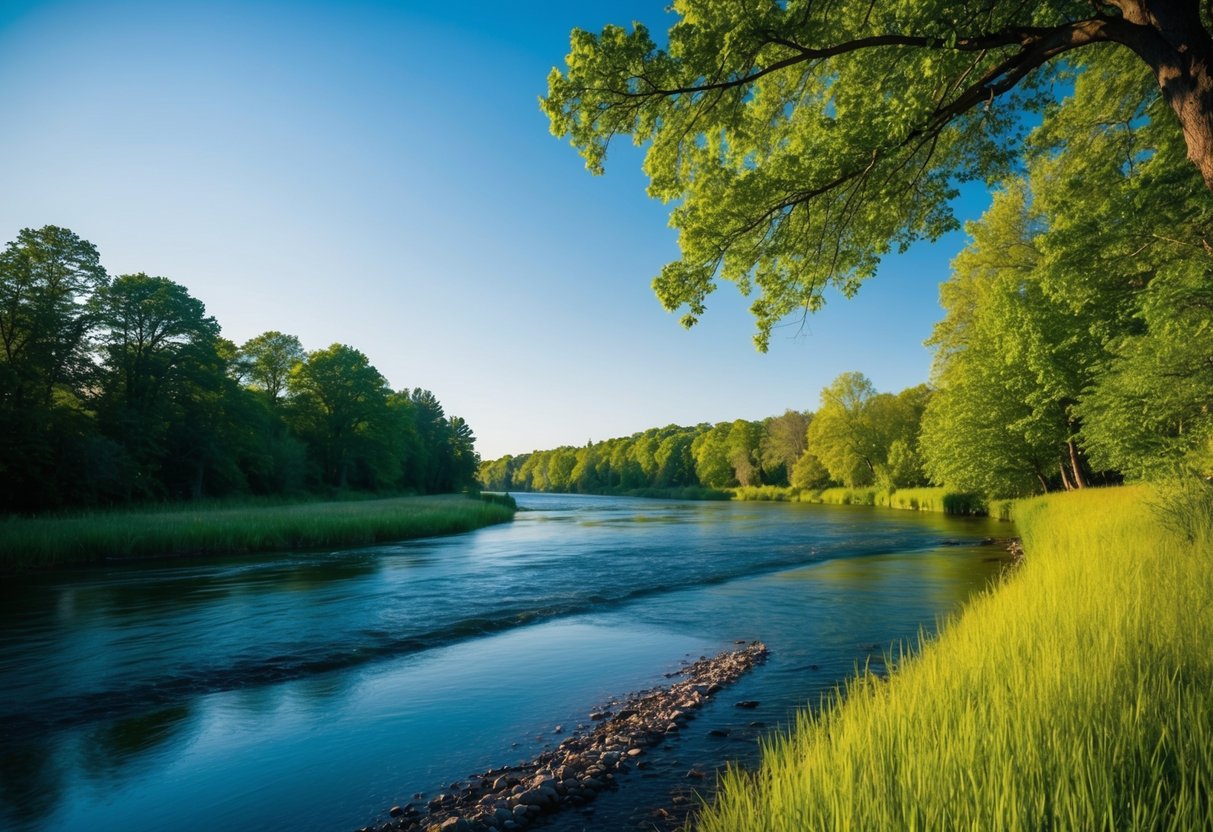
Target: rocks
<point>584,764</point>
<point>747,703</point>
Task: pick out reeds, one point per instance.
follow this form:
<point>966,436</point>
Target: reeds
<point>1077,694</point>
<point>120,534</point>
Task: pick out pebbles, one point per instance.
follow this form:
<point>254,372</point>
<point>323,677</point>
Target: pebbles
<point>515,797</point>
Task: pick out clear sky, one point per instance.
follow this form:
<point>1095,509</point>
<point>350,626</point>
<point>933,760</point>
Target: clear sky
<point>379,174</point>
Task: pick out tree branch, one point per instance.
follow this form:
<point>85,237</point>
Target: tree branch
<point>1046,42</point>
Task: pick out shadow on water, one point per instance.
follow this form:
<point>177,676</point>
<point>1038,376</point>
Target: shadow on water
<point>31,780</point>
<point>111,751</point>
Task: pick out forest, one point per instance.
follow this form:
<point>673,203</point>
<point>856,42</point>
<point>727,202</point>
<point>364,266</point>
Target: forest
<point>121,390</point>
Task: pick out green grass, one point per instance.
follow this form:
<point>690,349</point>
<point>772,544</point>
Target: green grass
<point>1078,694</point>
<point>944,500</point>
<point>766,493</point>
<point>231,528</point>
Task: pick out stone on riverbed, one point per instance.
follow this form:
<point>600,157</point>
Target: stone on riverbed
<point>513,797</point>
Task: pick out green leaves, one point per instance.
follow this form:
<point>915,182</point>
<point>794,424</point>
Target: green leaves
<point>801,142</point>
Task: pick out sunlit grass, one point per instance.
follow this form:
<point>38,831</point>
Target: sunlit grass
<point>937,499</point>
<point>96,536</point>
<point>1078,694</point>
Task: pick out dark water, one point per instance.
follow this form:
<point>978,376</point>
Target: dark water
<point>313,691</point>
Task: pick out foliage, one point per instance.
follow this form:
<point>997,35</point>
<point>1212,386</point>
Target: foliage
<point>992,727</point>
<point>991,426</point>
<point>741,454</point>
<point>46,275</point>
<point>265,362</point>
<point>123,390</point>
<point>862,437</point>
<point>800,142</point>
<point>1076,344</point>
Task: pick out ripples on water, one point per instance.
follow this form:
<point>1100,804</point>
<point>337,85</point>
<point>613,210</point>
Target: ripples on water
<point>319,688</point>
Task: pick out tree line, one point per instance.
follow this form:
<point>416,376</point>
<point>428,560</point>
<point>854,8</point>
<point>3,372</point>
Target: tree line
<point>857,437</point>
<point>122,389</point>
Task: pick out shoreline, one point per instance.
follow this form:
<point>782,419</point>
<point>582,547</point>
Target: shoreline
<point>154,534</point>
<point>512,798</point>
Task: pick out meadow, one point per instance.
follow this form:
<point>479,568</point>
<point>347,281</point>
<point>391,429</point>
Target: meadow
<point>1075,694</point>
<point>250,526</point>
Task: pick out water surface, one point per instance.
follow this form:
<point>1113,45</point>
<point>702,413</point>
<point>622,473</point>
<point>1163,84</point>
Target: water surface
<point>318,689</point>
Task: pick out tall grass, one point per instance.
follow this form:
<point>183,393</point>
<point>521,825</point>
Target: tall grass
<point>1078,694</point>
<point>939,499</point>
<point>97,536</point>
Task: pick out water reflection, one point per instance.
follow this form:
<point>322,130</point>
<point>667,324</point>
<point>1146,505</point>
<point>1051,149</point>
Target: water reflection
<point>31,781</point>
<point>112,750</point>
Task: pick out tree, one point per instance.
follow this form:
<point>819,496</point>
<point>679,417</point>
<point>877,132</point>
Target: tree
<point>338,399</point>
<point>675,463</point>
<point>999,422</point>
<point>783,443</point>
<point>161,367</point>
<point>841,433</point>
<point>462,448</point>
<point>266,361</point>
<point>743,443</point>
<point>711,452</point>
<point>46,277</point>
<point>804,140</point>
<point>808,472</point>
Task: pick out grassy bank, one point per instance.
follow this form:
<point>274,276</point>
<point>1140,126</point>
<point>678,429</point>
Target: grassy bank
<point>1076,695</point>
<point>944,500</point>
<point>96,536</point>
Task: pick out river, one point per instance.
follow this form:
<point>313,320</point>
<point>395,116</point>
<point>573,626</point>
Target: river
<point>312,691</point>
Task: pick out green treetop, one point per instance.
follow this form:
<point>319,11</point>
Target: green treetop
<point>801,141</point>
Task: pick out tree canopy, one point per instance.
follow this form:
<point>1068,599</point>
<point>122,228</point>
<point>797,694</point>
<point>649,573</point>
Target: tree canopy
<point>802,141</point>
<point>124,390</point>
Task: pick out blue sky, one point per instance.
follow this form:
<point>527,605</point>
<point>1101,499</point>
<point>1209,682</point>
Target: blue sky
<point>379,174</point>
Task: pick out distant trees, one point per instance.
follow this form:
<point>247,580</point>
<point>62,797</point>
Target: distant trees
<point>861,437</point>
<point>124,390</point>
<point>780,450</point>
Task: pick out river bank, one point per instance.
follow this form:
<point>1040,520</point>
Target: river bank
<point>1076,694</point>
<point>176,531</point>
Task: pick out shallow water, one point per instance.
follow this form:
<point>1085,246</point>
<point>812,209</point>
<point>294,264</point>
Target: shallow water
<point>315,690</point>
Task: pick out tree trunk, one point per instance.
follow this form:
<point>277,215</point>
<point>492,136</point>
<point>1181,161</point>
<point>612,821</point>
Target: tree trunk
<point>1044,484</point>
<point>1076,465</point>
<point>1065,479</point>
<point>1170,37</point>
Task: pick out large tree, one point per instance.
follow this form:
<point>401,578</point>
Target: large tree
<point>803,140</point>
<point>46,276</point>
<point>162,377</point>
<point>338,401</point>
<point>266,360</point>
